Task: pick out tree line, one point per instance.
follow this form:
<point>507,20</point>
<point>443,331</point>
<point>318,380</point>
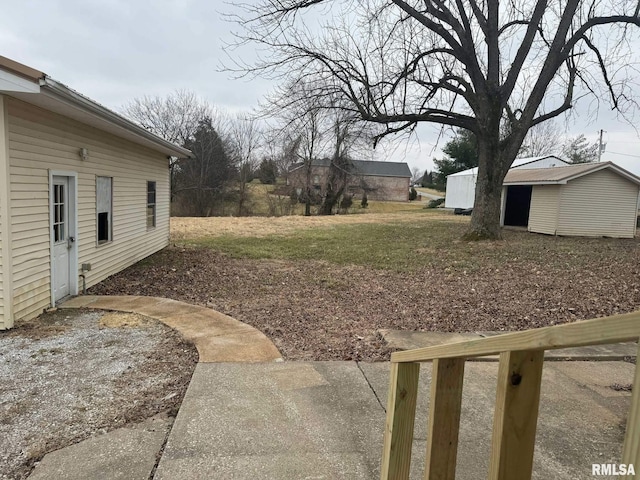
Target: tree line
<point>231,150</point>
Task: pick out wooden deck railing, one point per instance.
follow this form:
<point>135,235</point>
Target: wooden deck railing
<point>517,398</point>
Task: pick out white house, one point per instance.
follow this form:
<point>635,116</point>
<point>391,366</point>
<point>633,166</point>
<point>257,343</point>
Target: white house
<point>461,186</point>
<point>589,200</point>
<point>84,193</point>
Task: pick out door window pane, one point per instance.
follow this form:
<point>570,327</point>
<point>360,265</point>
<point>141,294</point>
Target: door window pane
<point>58,214</point>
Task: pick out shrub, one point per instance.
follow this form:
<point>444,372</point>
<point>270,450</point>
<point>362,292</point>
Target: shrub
<point>365,201</point>
<point>435,203</point>
<point>413,194</point>
<point>346,202</point>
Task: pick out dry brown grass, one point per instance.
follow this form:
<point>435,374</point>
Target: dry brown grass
<point>190,228</point>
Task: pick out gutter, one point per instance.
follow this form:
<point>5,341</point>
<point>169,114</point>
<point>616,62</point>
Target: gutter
<point>66,95</point>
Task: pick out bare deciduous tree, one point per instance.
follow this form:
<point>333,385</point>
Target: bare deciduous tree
<point>416,175</point>
<point>494,68</point>
<point>301,126</point>
<point>244,137</point>
<point>175,118</point>
<point>320,126</point>
<point>542,139</point>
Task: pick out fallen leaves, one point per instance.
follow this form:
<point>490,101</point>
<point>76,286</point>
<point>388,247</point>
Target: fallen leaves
<point>320,311</point>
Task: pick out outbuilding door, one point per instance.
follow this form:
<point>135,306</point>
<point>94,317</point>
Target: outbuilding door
<point>518,204</point>
<point>62,236</point>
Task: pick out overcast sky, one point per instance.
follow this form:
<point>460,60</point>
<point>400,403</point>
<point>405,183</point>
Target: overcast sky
<point>117,50</point>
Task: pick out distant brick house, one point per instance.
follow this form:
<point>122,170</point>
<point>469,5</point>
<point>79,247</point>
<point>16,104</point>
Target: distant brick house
<point>388,181</point>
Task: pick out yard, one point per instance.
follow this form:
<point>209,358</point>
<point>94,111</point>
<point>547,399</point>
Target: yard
<point>321,288</point>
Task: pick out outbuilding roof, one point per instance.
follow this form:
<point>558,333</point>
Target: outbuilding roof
<point>518,162</point>
<point>37,88</point>
<point>368,167</point>
<point>562,175</point>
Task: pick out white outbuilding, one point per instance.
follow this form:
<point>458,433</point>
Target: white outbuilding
<point>461,186</point>
<point>587,200</point>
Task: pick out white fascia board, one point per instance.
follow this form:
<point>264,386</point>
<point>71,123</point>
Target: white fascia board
<point>10,83</point>
<point>83,104</point>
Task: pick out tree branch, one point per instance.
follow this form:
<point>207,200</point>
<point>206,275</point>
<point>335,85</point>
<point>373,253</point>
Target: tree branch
<point>523,51</point>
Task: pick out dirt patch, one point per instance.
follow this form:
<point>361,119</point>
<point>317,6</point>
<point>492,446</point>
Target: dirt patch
<point>124,320</point>
<point>70,374</point>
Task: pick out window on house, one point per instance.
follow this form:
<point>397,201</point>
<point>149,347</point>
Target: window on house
<point>151,204</point>
<point>104,203</point>
<point>316,179</point>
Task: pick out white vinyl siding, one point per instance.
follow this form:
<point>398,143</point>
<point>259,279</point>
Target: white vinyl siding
<point>599,204</point>
<point>2,321</point>
<point>6,320</point>
<point>543,215</point>
<point>40,141</point>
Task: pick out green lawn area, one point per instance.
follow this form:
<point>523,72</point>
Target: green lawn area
<point>414,241</point>
<point>430,191</point>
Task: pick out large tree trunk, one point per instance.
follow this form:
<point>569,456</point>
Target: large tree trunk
<point>493,165</point>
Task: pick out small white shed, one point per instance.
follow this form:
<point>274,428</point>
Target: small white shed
<point>461,186</point>
<point>84,192</point>
<point>586,200</point>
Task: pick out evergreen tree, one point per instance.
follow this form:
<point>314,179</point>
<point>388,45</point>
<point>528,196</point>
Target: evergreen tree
<point>267,171</point>
<point>201,181</point>
<point>462,153</point>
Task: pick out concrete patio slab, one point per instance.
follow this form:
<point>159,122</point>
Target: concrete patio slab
<point>324,420</point>
<point>218,337</point>
<point>123,454</point>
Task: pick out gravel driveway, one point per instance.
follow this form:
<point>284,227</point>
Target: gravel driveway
<point>67,375</point>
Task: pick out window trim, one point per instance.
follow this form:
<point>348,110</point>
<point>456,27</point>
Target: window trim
<point>153,205</point>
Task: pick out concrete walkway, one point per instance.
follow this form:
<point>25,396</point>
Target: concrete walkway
<point>324,420</point>
<point>218,337</point>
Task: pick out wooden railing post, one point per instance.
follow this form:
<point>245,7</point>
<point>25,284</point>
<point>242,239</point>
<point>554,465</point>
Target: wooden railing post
<point>516,415</point>
<point>444,419</point>
<point>631,450</point>
<point>401,412</point>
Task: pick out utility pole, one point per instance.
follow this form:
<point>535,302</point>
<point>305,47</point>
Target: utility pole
<point>601,146</point>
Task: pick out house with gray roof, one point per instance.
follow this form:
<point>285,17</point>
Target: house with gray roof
<point>385,181</point>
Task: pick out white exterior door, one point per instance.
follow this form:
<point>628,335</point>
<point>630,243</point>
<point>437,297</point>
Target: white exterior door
<point>61,238</point>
